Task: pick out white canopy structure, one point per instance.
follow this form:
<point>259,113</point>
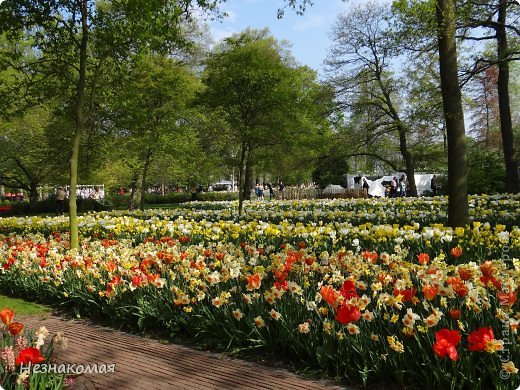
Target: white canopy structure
<point>333,189</point>
<point>422,182</point>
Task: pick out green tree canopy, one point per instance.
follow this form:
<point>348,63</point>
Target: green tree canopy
<point>266,101</point>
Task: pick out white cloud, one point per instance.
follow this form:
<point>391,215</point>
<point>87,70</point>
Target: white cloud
<point>231,16</point>
<point>219,34</point>
<point>309,22</point>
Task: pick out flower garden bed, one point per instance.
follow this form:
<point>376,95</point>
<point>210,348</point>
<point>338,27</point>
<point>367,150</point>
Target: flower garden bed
<point>324,283</point>
<point>25,355</point>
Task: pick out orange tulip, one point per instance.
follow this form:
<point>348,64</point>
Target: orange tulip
<point>423,258</point>
<point>111,266</point>
<point>507,299</point>
<point>430,291</point>
<point>431,271</point>
<point>487,268</point>
<point>465,274</point>
<point>370,256</point>
<point>6,315</point>
<point>456,251</point>
<point>253,282</point>
<point>452,280</point>
<point>491,282</point>
<point>329,295</point>
<point>460,289</point>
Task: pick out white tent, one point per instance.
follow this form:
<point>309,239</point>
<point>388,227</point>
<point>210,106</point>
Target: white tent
<point>422,182</point>
<point>376,188</point>
<point>333,189</point>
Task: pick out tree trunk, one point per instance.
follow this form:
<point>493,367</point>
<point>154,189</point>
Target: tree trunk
<point>135,193</point>
<point>408,160</point>
<point>458,208</point>
<point>147,161</point>
<point>248,180</point>
<point>33,194</point>
<point>506,125</point>
<point>401,129</point>
<point>241,179</point>
<point>79,124</point>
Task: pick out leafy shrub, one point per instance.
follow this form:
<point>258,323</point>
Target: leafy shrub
<point>486,170</point>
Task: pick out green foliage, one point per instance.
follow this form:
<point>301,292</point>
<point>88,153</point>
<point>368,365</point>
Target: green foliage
<point>330,170</point>
<point>270,107</point>
<point>25,158</point>
<point>486,170</point>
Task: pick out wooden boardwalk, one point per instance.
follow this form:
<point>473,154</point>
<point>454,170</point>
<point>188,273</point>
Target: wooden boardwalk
<point>147,364</point>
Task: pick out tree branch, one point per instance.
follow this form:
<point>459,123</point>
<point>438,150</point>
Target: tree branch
<point>391,164</point>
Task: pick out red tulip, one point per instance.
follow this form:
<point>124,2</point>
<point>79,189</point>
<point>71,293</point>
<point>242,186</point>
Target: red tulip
<point>481,340</point>
<point>507,299</point>
<point>455,313</point>
<point>347,314</point>
<point>29,355</point>
<point>15,328</point>
<point>446,342</point>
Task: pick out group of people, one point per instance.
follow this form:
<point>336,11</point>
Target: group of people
<point>14,197</point>
<point>259,190</point>
<point>398,188</point>
<point>61,196</point>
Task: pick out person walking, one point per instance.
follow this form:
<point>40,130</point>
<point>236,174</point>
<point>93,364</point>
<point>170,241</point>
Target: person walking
<point>366,186</point>
<point>393,187</point>
<point>271,191</point>
<point>402,185</point>
<point>61,195</point>
<point>433,185</point>
<point>259,192</point>
<point>96,197</point>
<point>281,187</point>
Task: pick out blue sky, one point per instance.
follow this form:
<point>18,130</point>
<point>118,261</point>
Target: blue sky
<point>308,34</point>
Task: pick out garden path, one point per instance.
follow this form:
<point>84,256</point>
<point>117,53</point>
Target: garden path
<point>144,363</point>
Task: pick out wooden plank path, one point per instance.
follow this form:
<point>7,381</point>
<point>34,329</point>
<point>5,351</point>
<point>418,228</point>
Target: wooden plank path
<point>146,364</point>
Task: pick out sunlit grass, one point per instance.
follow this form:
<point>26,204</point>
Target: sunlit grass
<point>21,307</point>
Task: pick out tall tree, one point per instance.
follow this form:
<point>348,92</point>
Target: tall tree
<point>25,157</point>
<point>458,207</point>
<point>147,114</point>
<point>486,116</point>
<point>360,62</point>
<point>64,32</point>
<point>476,21</point>
<point>265,101</point>
<point>493,15</point>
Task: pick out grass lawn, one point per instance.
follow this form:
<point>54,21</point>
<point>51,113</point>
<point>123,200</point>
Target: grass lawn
<point>21,307</point>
